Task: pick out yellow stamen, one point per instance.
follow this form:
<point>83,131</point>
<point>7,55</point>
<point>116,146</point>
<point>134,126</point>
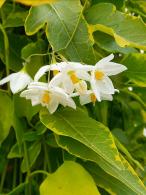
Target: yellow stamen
<point>46,98</point>
<point>99,75</point>
<point>55,72</point>
<point>73,77</point>
<point>93,98</point>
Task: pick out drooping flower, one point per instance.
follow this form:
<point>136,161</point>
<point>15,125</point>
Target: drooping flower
<point>18,81</point>
<point>47,96</point>
<point>100,81</point>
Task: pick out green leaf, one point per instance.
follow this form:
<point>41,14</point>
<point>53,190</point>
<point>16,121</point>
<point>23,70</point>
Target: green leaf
<point>107,42</point>
<point>19,189</point>
<point>136,72</point>
<point>127,176</point>
<point>33,152</point>
<point>15,152</point>
<point>118,4</point>
<point>124,150</point>
<point>127,30</point>
<point>16,42</point>
<point>71,178</point>
<point>15,19</point>
<point>137,6</point>
<point>107,182</point>
<point>6,116</point>
<point>66,30</point>
<point>34,48</point>
<point>23,108</point>
<point>78,125</point>
<point>34,55</point>
<point>2,2</point>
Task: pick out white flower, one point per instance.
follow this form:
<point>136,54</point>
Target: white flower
<point>50,97</point>
<point>89,97</point>
<point>71,76</point>
<point>61,67</point>
<point>100,82</point>
<point>18,81</point>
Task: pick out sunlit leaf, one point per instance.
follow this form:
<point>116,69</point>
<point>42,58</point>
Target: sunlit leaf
<point>35,2</point>
<point>2,2</point>
<point>71,178</point>
<point>108,43</point>
<point>127,30</point>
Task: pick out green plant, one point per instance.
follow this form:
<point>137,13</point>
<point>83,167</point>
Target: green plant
<point>96,148</point>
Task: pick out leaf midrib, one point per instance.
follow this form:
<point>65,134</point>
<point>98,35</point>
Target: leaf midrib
<point>69,36</point>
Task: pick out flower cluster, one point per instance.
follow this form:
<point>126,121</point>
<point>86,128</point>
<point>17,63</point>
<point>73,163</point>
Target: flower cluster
<point>71,79</point>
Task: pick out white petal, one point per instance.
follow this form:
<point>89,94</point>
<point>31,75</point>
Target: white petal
<point>29,93</point>
<point>53,105</point>
<point>57,66</point>
<point>19,81</point>
<point>38,85</point>
<point>35,101</point>
<point>105,86</point>
<point>106,97</point>
<point>41,72</point>
<point>71,103</point>
<point>81,87</point>
<point>57,80</point>
<point>7,79</point>
<point>104,60</point>
<point>81,74</point>
<point>95,87</point>
<point>112,68</point>
<point>57,91</point>
<point>68,85</point>
<point>85,99</point>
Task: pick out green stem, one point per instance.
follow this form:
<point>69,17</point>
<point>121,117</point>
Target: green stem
<point>6,45</point>
<point>28,190</point>
<point>3,177</point>
<point>47,160</point>
<point>39,172</point>
<point>14,174</point>
<point>104,113</point>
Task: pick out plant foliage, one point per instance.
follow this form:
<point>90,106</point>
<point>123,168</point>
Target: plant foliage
<point>94,149</point>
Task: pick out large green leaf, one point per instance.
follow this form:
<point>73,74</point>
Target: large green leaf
<point>70,179</point>
<point>109,183</point>
<point>127,30</point>
<point>66,30</point>
<point>136,64</point>
<point>127,176</point>
<point>78,125</point>
<point>6,116</point>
